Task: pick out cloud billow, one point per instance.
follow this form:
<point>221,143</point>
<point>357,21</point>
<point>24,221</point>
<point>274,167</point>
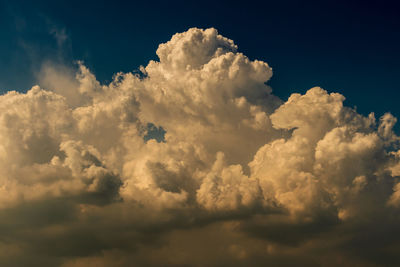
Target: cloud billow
<point>308,181</point>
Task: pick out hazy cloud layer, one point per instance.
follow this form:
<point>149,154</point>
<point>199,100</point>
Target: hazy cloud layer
<point>240,178</point>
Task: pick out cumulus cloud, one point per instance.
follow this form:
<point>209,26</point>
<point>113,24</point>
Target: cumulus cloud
<point>239,177</point>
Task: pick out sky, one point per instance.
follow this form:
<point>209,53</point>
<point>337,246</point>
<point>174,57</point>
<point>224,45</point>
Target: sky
<point>343,46</point>
<point>199,134</point>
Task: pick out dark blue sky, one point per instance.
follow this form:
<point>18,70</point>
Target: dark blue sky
<point>348,47</point>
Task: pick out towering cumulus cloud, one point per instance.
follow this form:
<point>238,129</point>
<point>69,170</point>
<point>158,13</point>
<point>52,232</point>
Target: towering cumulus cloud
<point>193,162</point>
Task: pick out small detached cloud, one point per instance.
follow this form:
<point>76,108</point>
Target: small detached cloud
<point>193,162</point>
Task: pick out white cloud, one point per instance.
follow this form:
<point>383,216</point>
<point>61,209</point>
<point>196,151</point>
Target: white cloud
<point>226,188</point>
<point>233,154</point>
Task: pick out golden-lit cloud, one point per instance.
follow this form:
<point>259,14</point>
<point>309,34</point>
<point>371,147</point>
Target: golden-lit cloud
<point>240,178</point>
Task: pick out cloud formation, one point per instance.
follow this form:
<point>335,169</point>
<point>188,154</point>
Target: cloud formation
<point>240,178</point>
